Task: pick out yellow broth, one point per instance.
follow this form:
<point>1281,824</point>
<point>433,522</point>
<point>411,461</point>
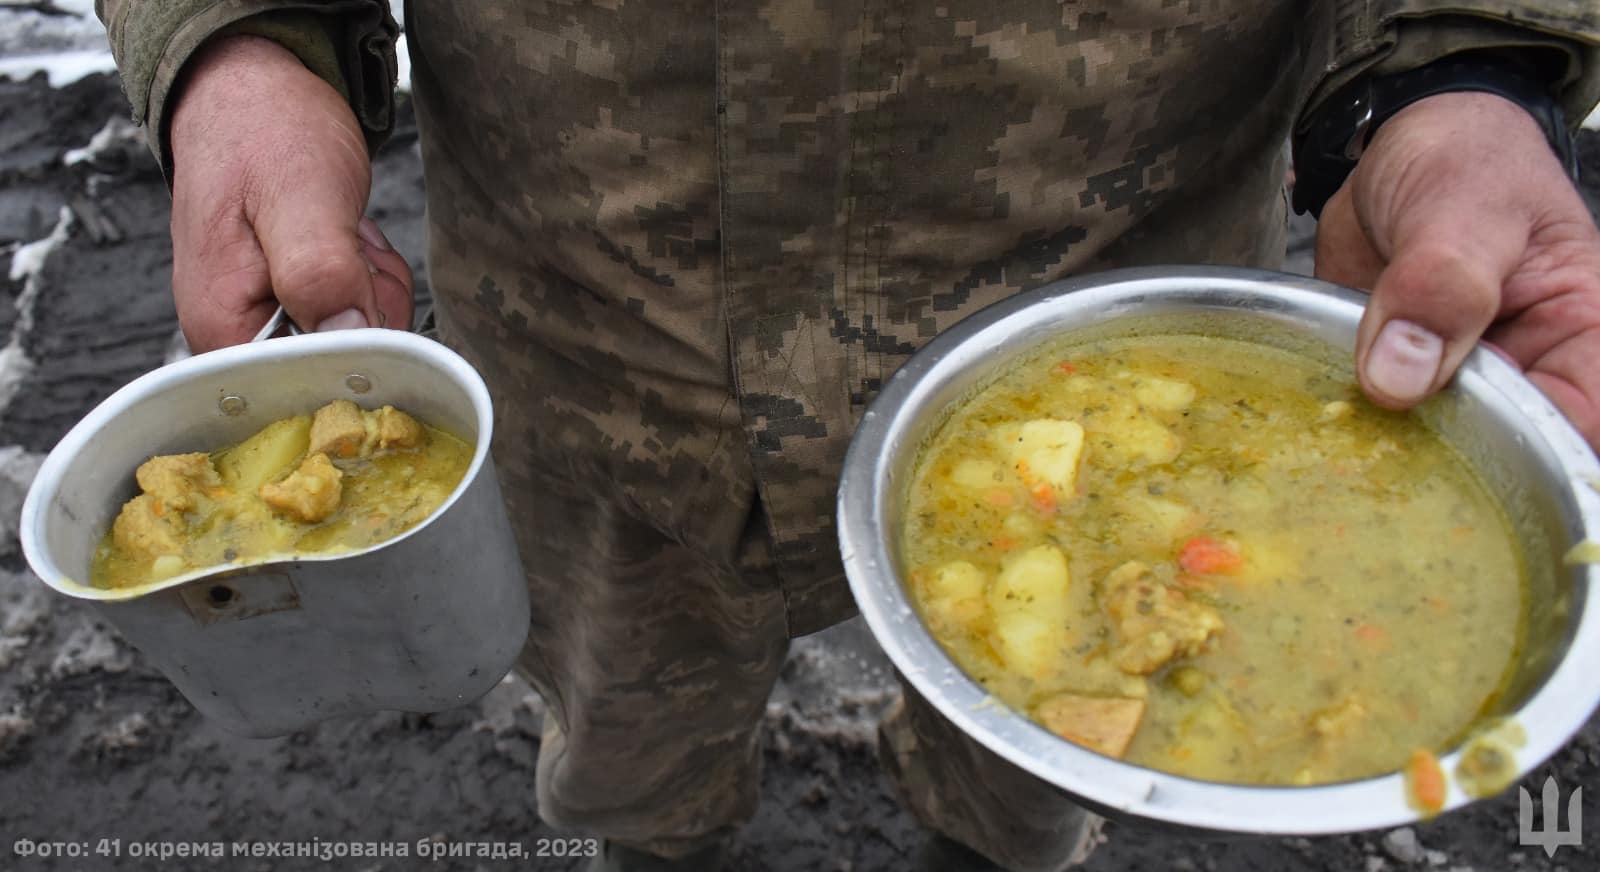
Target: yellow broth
<point>212,512</point>
<point>1244,573</point>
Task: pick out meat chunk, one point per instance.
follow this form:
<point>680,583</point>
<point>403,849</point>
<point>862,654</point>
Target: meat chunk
<point>341,429</point>
<point>145,526</point>
<point>396,429</point>
<point>177,480</point>
<point>310,493</point>
<point>1099,723</point>
<point>1156,623</point>
<point>338,430</point>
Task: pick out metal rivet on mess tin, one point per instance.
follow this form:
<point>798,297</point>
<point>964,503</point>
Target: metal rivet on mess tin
<point>357,382</point>
<point>232,404</point>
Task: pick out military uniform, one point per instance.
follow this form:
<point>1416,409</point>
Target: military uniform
<point>686,241</point>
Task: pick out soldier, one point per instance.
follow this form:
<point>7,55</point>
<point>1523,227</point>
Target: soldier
<point>686,241</point>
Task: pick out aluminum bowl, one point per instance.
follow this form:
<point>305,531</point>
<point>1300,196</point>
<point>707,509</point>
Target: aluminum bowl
<point>1532,459</point>
<point>425,621</point>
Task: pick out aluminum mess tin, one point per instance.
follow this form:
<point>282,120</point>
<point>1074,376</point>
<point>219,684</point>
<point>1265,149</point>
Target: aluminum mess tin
<point>425,621</point>
<point>1530,457</point>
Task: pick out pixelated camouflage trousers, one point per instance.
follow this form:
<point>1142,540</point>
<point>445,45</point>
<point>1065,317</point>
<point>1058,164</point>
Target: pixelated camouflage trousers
<point>656,661</point>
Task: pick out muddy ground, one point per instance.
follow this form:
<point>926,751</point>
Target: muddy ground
<point>95,745</point>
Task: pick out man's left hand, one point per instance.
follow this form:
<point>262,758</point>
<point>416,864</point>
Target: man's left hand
<point>1463,223</point>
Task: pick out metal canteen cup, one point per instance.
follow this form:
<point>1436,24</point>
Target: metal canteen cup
<point>425,621</point>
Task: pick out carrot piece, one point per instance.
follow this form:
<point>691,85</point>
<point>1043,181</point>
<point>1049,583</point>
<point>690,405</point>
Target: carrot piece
<point>1371,633</point>
<point>1203,555</point>
<point>1003,543</point>
<point>1065,367</point>
<point>1000,498</point>
<point>1425,786</point>
<point>1044,498</point>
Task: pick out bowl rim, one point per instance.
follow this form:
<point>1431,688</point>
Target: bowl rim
<point>1548,715</point>
<point>46,484</point>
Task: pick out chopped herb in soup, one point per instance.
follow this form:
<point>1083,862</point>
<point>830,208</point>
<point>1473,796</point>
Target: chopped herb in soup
<point>341,480</point>
<point>1215,559</point>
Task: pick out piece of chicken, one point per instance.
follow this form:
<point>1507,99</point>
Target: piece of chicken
<point>310,493</point>
<point>396,429</point>
<point>341,429</point>
<point>1155,622</point>
<point>1100,723</point>
<point>177,480</point>
<point>338,429</point>
<point>146,526</point>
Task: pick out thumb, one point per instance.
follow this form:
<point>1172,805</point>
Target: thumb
<point>1439,291</point>
<point>314,257</point>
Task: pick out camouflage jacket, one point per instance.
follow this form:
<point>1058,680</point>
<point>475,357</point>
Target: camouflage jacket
<point>687,241</point>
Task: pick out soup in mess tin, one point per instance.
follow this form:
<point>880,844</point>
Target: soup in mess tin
<point>340,480</point>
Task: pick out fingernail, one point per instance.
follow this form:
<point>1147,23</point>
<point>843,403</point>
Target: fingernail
<point>372,268</point>
<point>349,319</point>
<point>369,231</point>
<point>1404,360</point>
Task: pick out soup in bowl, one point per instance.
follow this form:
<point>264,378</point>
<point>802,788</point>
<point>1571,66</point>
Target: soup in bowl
<point>1139,534</point>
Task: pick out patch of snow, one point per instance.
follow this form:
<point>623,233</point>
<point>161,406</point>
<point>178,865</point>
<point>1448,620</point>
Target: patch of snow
<point>26,264</point>
<point>90,646</point>
<point>128,733</point>
<point>402,56</point>
<point>28,32</point>
<point>15,367</point>
<point>60,68</point>
<point>500,706</point>
<point>17,469</point>
<point>28,259</point>
<point>116,136</point>
<point>1402,845</point>
<point>1593,121</point>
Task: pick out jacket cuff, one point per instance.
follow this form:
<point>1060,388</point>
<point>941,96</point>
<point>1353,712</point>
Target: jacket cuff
<point>1382,39</point>
<point>348,43</point>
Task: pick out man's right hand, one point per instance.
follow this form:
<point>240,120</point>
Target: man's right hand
<point>270,178</point>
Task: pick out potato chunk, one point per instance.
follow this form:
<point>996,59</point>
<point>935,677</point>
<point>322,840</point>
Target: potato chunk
<point>396,429</point>
<point>310,493</point>
<point>1155,622</point>
<point>1139,437</point>
<point>338,430</point>
<point>1047,451</point>
<point>976,474</point>
<point>177,480</point>
<point>955,594</point>
<point>265,456</point>
<point>1103,724</point>
<point>1164,394</point>
<point>1028,602</point>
